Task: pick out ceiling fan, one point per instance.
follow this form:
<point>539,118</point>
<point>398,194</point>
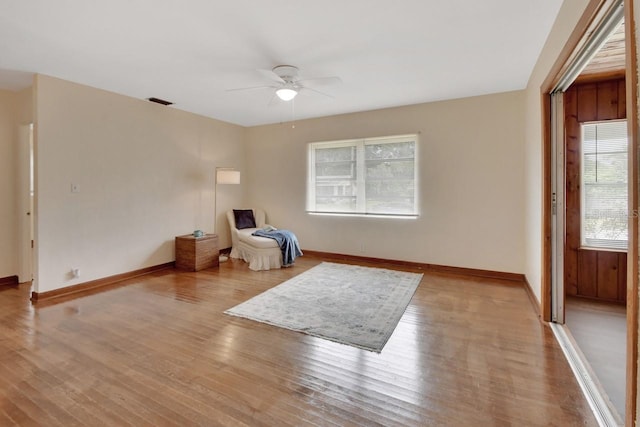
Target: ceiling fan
<point>287,83</point>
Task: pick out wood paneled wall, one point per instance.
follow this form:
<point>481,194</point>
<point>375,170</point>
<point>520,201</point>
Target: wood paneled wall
<point>590,273</point>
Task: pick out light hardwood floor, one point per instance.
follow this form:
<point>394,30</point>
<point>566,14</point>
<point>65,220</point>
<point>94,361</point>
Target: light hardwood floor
<point>158,350</point>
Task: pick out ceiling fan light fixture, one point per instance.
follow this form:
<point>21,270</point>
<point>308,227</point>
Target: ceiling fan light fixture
<point>286,93</point>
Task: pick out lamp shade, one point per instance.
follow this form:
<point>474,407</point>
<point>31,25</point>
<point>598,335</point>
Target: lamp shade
<point>227,176</point>
<point>286,94</point>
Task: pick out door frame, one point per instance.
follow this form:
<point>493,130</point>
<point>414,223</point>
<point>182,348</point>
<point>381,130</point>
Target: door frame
<point>632,252</point>
<point>589,20</point>
<point>25,207</point>
<point>558,208</point>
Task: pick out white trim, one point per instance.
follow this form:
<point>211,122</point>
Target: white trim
<point>373,139</point>
<point>361,215</point>
<point>356,180</point>
<point>603,243</point>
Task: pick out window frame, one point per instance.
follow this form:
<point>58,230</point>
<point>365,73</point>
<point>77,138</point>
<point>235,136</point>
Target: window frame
<point>600,244</point>
<point>360,163</point>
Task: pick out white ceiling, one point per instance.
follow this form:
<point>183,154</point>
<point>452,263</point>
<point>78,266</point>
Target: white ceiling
<point>387,53</point>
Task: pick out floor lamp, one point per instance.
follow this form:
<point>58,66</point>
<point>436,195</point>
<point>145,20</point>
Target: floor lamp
<point>223,176</point>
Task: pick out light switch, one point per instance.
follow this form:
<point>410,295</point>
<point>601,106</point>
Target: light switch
<point>75,188</point>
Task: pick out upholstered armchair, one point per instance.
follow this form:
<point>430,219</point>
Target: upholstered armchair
<point>260,252</point>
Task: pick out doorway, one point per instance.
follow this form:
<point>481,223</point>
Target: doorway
<point>587,248</point>
<point>596,25</point>
<point>596,225</point>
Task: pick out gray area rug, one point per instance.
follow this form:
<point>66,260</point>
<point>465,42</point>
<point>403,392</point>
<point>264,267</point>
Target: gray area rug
<point>349,304</point>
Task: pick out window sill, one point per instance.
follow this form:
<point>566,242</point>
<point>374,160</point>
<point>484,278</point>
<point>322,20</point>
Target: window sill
<point>593,248</point>
<point>361,215</point>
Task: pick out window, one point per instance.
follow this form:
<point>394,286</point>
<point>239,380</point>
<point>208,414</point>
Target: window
<point>604,185</point>
<point>375,176</point>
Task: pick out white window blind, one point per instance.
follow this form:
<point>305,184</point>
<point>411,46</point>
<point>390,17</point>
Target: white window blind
<point>375,176</point>
<point>604,201</point>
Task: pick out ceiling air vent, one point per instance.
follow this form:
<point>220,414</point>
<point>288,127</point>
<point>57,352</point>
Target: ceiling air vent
<point>160,101</point>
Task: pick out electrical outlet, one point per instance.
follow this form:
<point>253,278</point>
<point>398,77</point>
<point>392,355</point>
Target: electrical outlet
<point>75,272</point>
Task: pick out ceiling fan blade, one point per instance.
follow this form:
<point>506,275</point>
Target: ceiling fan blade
<point>306,88</point>
<point>321,81</point>
<point>271,75</point>
<point>250,88</point>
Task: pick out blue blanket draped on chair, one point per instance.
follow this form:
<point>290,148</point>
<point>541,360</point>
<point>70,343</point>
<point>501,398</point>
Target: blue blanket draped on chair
<point>287,241</point>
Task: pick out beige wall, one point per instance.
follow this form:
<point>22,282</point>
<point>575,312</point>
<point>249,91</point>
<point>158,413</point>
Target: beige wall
<point>480,184</point>
<point>145,173</point>
<point>8,214</point>
<point>471,183</point>
<point>566,21</point>
<point>24,106</point>
<point>15,109</point>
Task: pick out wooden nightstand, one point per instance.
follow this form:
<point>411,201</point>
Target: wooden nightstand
<point>197,253</point>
